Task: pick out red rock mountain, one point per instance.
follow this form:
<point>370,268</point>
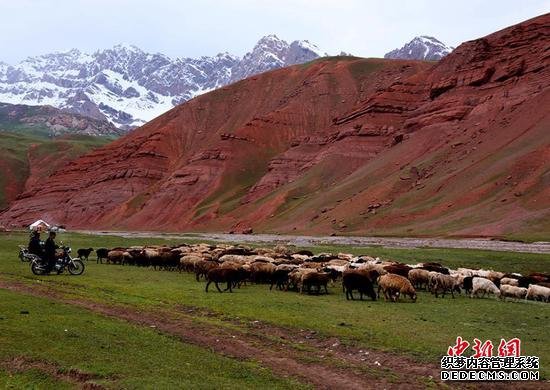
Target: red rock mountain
<point>358,146</point>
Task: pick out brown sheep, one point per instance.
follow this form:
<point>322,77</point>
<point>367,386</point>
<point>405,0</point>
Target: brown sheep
<point>398,269</point>
<point>419,277</point>
<point>261,272</point>
<point>203,266</point>
<point>295,277</point>
<point>222,275</point>
<point>395,285</point>
<point>115,256</point>
<point>279,278</point>
<point>443,283</point>
<point>315,279</point>
<point>187,262</point>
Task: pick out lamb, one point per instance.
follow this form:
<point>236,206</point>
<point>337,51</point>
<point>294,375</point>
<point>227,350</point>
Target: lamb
<point>419,277</point>
<point>101,254</point>
<point>507,290</point>
<point>360,281</point>
<point>84,253</point>
<point>536,292</point>
<point>484,285</point>
<point>443,283</point>
<point>395,285</point>
<point>222,275</point>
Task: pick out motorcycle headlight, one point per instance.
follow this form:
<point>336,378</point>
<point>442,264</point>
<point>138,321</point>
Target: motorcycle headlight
<point>69,250</point>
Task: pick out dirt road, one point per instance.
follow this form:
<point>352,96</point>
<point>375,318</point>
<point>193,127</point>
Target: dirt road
<point>308,241</point>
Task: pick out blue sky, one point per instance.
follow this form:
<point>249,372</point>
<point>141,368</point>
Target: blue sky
<point>193,28</point>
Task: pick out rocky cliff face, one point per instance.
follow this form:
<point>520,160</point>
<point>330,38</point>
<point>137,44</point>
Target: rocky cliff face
<point>421,48</point>
<point>51,121</point>
<point>339,145</point>
<point>128,86</point>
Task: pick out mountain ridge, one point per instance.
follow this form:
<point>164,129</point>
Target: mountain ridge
<point>128,86</point>
<point>339,145</point>
<point>423,47</point>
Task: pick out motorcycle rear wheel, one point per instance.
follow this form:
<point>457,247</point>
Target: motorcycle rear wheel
<point>76,267</point>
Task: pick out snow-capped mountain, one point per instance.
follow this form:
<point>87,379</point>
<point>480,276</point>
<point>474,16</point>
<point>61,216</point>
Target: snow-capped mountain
<point>129,86</point>
<point>421,48</point>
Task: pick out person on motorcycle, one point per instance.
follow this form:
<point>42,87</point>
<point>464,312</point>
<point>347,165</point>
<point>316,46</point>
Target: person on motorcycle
<point>34,244</point>
<point>49,252</point>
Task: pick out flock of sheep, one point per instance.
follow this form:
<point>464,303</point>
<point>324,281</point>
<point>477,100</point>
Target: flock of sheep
<point>302,271</point>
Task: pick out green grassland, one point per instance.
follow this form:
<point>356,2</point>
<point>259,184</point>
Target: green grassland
<point>14,153</point>
<point>421,330</point>
<point>117,354</point>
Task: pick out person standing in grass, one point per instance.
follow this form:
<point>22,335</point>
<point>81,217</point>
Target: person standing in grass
<point>49,252</point>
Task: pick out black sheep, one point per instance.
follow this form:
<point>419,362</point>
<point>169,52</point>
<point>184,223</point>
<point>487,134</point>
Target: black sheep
<point>279,279</point>
<point>467,284</point>
<point>360,281</point>
<point>84,253</point>
<point>101,254</point>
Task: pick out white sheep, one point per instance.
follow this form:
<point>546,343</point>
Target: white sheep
<point>507,290</point>
<point>483,285</point>
<point>509,281</point>
<point>466,271</point>
<point>536,292</point>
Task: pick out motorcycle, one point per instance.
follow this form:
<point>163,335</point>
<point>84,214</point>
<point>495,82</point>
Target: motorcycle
<point>25,256</point>
<point>65,261</point>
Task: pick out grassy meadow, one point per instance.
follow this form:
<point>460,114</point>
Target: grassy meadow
<point>421,330</point>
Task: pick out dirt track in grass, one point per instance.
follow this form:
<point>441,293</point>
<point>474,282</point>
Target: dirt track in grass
<point>76,377</point>
<point>325,363</point>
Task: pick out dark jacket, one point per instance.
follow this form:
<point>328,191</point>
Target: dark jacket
<point>49,249</point>
<point>35,247</point>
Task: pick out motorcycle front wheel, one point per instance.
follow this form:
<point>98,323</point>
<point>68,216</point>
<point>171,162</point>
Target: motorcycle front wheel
<point>37,269</point>
<point>75,267</point>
